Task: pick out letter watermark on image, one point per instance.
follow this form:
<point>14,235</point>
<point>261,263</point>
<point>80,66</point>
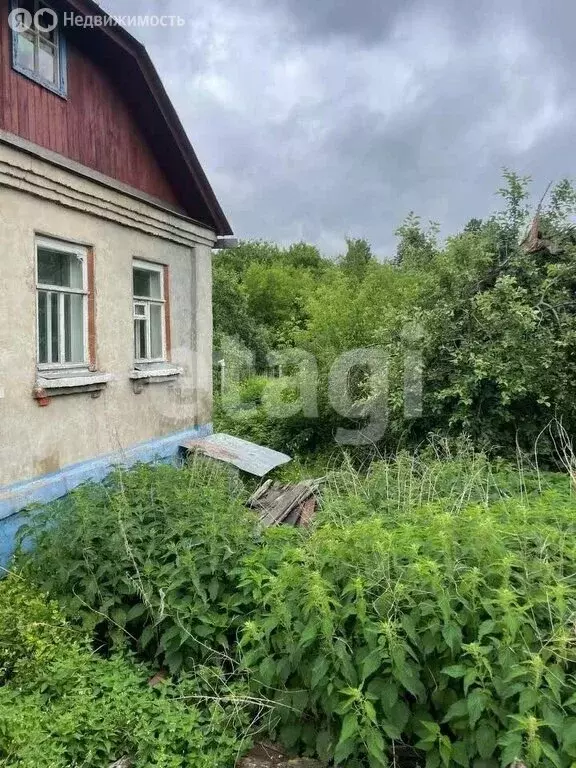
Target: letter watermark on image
<point>45,20</point>
<point>356,388</point>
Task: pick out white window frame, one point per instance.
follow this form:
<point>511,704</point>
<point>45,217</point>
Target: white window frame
<point>146,301</point>
<point>82,254</point>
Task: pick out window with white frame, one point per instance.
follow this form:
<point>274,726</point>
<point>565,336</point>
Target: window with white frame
<point>62,304</point>
<point>149,312</point>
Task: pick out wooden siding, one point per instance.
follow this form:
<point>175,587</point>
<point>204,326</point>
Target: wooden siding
<point>93,126</point>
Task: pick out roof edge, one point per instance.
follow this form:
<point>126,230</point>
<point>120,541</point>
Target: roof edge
<point>131,45</point>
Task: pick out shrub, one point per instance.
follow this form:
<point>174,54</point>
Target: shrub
<point>252,421</point>
<point>487,316</point>
<point>31,628</point>
<point>62,705</point>
<point>431,608</point>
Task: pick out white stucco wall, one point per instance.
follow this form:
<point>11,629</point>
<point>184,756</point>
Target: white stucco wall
<point>39,197</point>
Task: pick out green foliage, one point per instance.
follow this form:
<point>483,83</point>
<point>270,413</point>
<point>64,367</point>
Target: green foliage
<point>431,607</point>
<point>260,292</point>
<point>232,316</point>
<point>248,416</point>
<point>490,323</point>
<point>276,297</point>
<point>357,258</point>
<point>516,212</point>
<point>416,246</point>
<point>31,627</point>
<point>150,558</point>
<point>61,705</point>
<point>445,625</point>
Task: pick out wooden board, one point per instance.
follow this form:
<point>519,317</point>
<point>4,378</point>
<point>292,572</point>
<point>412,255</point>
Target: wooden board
<point>279,504</point>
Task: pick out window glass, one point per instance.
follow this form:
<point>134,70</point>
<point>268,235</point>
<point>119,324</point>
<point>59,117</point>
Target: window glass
<point>148,312</point>
<point>147,284</point>
<point>55,327</point>
<point>42,327</point>
<point>45,20</point>
<point>38,52</point>
<point>47,66</point>
<point>25,51</point>
<point>140,339</point>
<point>74,328</point>
<point>156,351</point>
<point>59,269</point>
<point>62,305</point>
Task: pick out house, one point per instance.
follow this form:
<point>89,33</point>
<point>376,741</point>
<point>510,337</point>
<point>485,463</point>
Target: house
<point>107,226</point>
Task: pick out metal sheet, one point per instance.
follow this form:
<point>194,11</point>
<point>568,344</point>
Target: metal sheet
<point>249,457</point>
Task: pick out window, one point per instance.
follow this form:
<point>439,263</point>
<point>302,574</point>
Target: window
<point>62,304</point>
<point>38,49</point>
<point>149,312</point>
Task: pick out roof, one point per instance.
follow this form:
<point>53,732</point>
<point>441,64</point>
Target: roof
<point>131,68</point>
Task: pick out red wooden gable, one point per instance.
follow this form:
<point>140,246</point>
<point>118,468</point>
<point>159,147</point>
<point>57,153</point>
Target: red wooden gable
<point>112,120</point>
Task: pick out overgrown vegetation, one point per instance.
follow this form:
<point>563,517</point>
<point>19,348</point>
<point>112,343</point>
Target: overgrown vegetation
<point>150,557</point>
<point>62,705</point>
<point>445,626</point>
<point>427,617</point>
<point>488,316</point>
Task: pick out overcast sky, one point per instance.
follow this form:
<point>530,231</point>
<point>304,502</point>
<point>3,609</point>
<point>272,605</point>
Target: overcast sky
<point>318,119</point>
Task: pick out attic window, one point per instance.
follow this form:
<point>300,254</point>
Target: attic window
<point>38,49</point>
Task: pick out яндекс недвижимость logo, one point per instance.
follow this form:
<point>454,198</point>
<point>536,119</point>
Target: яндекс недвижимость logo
<point>21,20</point>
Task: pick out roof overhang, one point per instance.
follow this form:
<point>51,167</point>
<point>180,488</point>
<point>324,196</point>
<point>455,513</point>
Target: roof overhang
<point>132,70</point>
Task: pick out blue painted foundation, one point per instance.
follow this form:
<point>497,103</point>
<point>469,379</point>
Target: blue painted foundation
<point>42,490</point>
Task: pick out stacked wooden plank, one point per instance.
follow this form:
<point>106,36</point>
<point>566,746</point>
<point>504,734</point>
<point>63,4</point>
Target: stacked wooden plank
<point>271,756</point>
<point>281,504</point>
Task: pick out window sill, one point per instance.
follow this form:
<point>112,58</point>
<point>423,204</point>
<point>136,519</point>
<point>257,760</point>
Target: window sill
<point>69,382</point>
<point>153,373</point>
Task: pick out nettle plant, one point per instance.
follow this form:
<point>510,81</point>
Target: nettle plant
<point>148,559</point>
<point>449,635</point>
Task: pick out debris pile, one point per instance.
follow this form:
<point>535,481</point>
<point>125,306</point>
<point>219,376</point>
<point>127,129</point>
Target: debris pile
<point>279,504</point>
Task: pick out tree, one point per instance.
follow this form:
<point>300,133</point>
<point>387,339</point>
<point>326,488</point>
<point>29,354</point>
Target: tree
<point>416,246</point>
<point>357,259</point>
<point>495,319</point>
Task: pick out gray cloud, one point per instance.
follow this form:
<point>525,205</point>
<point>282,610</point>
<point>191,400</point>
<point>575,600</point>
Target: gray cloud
<point>326,119</point>
<point>365,21</point>
<point>371,21</point>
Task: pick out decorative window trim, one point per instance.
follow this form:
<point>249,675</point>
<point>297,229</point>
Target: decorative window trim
<point>55,379</point>
<point>146,301</point>
<point>82,253</point>
<point>60,88</point>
